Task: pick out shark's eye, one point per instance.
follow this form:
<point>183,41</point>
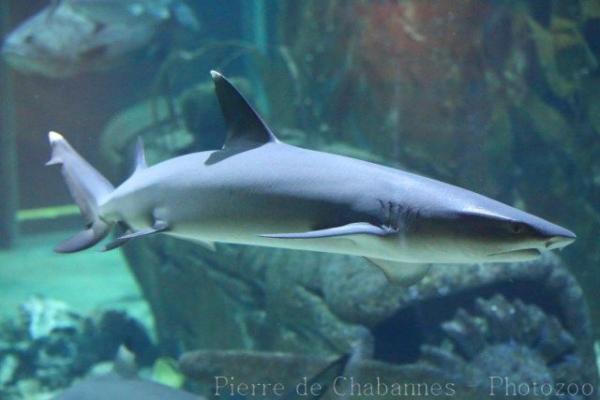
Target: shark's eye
<point>517,227</point>
<point>29,39</point>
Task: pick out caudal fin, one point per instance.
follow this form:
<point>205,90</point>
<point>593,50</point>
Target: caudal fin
<point>87,187</point>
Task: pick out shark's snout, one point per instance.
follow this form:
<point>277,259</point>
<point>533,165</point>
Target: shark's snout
<point>506,234</point>
<point>561,240</point>
<point>547,236</point>
<point>555,236</point>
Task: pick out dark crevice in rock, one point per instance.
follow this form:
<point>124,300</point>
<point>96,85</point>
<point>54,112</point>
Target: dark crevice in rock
<point>398,339</point>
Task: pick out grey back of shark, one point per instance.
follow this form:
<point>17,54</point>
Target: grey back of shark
<point>260,191</point>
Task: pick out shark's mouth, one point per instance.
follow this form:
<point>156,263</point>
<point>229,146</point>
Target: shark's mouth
<point>515,255</point>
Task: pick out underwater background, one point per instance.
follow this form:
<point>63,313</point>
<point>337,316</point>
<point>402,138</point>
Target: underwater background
<point>502,98</point>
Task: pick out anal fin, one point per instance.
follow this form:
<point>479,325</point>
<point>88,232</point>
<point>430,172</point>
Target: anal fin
<point>206,244</point>
<point>159,226</point>
<point>400,273</point>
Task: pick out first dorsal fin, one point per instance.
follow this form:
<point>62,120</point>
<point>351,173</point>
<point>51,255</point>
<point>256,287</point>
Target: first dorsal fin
<point>245,127</point>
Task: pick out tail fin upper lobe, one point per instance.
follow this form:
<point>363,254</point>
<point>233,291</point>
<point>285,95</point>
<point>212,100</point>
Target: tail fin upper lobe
<point>87,187</point>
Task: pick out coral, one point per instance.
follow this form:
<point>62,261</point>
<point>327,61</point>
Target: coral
<point>44,316</point>
<point>497,337</point>
<point>509,339</point>
<point>50,345</point>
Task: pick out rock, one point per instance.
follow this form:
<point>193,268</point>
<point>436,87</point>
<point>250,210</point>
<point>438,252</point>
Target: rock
<point>116,328</point>
<point>50,345</point>
<point>201,115</point>
<point>44,316</point>
<point>123,130</point>
<point>8,369</point>
<point>204,365</point>
<point>563,54</point>
<point>192,120</point>
<point>29,388</point>
<point>370,378</point>
<point>316,304</point>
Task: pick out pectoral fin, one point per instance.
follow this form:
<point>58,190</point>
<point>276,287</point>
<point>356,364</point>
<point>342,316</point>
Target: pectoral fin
<point>359,228</point>
<point>159,226</point>
<point>399,273</point>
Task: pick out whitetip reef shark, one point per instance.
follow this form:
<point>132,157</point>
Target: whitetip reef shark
<point>259,191</point>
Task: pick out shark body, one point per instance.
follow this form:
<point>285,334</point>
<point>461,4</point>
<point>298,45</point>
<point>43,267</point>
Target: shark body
<point>260,191</point>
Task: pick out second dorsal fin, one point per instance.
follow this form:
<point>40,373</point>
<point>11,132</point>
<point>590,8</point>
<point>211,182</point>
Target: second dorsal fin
<point>140,156</point>
<point>244,126</point>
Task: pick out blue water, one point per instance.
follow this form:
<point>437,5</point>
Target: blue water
<point>499,98</point>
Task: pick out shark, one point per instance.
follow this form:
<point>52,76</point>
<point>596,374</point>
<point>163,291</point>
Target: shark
<point>258,190</point>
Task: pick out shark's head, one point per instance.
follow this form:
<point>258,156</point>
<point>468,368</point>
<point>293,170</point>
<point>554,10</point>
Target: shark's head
<point>467,227</point>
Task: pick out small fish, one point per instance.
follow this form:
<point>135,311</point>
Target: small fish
<point>260,191</point>
<point>69,37</point>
